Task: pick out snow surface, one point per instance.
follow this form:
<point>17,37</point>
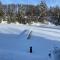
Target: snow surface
<point>14,44</point>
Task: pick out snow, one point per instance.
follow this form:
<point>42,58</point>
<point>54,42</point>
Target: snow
<point>49,24</point>
<point>4,22</point>
<point>36,24</point>
<point>14,44</point>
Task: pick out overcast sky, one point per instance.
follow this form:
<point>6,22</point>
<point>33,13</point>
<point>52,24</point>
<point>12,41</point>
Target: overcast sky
<point>35,2</point>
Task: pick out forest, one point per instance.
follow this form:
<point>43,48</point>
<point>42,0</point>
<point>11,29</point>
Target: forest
<point>24,13</point>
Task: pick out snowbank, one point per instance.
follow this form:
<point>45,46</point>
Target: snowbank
<point>14,44</point>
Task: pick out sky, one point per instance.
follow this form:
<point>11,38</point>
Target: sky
<point>35,2</point>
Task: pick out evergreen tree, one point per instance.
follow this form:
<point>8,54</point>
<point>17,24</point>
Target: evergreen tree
<point>1,12</point>
<point>43,11</point>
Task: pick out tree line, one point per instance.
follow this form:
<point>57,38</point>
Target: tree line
<point>29,13</point>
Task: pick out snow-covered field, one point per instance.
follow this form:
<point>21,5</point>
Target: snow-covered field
<point>15,44</point>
